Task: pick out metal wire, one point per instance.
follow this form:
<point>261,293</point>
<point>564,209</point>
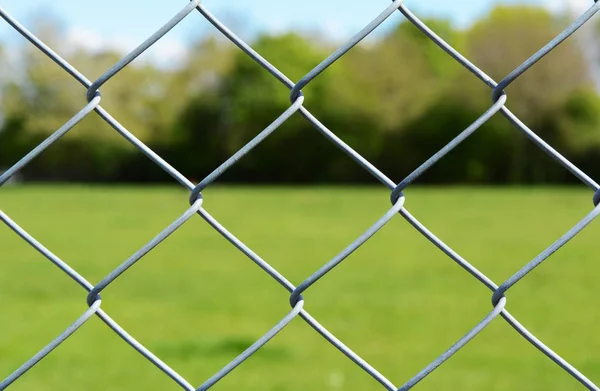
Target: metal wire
<point>499,99</point>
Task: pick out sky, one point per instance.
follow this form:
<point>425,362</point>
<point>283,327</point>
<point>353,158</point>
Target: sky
<point>123,24</point>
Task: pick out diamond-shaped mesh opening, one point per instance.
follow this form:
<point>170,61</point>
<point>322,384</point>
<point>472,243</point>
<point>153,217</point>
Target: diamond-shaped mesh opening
<point>197,204</point>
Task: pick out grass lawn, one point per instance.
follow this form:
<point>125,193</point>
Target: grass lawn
<point>398,301</point>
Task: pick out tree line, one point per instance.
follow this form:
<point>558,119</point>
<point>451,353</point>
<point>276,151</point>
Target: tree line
<point>396,99</point>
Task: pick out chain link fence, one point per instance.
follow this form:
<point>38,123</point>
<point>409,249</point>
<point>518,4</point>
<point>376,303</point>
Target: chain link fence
<point>296,300</point>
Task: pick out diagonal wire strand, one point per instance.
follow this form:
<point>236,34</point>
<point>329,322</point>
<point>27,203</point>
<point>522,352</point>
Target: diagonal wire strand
<point>397,196</point>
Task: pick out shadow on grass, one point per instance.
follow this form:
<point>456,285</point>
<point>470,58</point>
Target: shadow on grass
<point>213,347</point>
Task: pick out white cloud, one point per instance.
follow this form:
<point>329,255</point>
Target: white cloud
<point>167,52</point>
<point>576,6</point>
<point>335,30</point>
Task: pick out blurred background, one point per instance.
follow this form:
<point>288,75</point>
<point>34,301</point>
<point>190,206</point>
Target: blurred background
<point>194,98</point>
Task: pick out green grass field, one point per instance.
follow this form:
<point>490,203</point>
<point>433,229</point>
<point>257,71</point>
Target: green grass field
<point>399,302</point>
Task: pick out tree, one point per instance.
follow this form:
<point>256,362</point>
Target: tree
<point>45,97</point>
<point>504,40</point>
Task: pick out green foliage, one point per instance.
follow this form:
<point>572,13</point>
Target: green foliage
<point>396,100</point>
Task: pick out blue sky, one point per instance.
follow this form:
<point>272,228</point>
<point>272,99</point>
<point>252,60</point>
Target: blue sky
<point>123,24</point>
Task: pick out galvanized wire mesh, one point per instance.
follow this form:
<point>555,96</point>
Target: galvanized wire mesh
<point>499,99</point>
